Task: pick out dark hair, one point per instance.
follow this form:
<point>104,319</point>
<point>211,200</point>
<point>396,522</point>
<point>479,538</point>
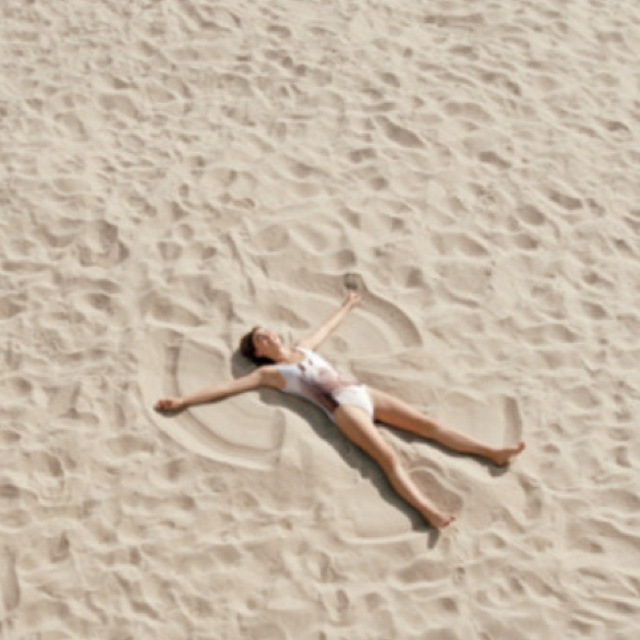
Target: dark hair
<point>248,349</point>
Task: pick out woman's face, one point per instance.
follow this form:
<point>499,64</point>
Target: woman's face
<point>264,341</point>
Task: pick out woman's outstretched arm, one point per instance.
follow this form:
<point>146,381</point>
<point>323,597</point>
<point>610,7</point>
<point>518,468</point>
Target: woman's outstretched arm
<point>262,377</point>
<point>331,324</point>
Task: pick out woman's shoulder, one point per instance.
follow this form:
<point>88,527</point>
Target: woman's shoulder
<point>270,375</point>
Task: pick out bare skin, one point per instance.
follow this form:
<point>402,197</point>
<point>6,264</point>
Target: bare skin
<point>352,421</point>
<point>356,425</point>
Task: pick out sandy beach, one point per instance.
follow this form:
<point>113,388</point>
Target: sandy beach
<point>173,173</point>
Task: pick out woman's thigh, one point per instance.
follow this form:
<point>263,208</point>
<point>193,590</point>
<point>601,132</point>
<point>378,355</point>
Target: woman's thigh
<point>358,427</point>
<point>399,414</point>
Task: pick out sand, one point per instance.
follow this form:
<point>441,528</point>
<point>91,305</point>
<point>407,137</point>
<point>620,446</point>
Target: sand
<point>172,173</point>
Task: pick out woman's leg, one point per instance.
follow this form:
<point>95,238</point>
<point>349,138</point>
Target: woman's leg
<point>356,425</point>
<point>399,414</point>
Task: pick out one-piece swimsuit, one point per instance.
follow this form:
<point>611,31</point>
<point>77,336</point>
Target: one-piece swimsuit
<point>316,380</point>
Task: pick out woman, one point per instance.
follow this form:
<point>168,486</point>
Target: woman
<point>352,406</point>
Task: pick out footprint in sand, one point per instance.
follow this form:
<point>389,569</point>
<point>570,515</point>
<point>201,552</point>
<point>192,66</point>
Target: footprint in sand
<point>9,583</point>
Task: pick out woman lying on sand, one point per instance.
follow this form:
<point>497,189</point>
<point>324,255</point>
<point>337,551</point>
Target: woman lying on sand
<point>352,406</point>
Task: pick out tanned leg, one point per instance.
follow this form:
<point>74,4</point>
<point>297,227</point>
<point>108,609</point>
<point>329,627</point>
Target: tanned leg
<point>397,413</point>
<point>356,425</point>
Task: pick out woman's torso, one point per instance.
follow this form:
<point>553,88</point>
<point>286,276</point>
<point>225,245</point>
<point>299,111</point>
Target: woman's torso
<point>312,377</point>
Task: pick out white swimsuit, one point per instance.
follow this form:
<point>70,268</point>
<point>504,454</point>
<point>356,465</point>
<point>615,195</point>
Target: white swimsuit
<point>316,380</point>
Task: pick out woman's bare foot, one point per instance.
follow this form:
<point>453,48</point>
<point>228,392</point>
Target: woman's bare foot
<point>169,404</point>
<point>440,520</point>
<point>502,457</point>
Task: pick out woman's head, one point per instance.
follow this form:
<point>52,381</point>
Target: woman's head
<point>259,345</point>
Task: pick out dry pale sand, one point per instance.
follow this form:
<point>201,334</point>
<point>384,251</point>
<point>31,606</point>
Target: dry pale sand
<point>174,172</point>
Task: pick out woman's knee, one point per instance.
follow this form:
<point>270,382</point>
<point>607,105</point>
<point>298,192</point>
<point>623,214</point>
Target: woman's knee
<point>389,462</point>
<point>430,429</point>
<point>383,454</point>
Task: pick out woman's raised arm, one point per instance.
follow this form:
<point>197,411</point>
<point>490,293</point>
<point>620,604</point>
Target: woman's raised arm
<point>261,377</point>
<point>332,323</point>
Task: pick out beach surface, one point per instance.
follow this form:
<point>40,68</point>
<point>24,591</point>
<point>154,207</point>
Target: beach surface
<point>173,173</point>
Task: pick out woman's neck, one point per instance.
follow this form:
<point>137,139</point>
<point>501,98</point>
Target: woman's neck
<point>287,356</point>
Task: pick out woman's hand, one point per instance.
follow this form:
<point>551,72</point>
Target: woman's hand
<point>353,299</point>
<point>169,404</point>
